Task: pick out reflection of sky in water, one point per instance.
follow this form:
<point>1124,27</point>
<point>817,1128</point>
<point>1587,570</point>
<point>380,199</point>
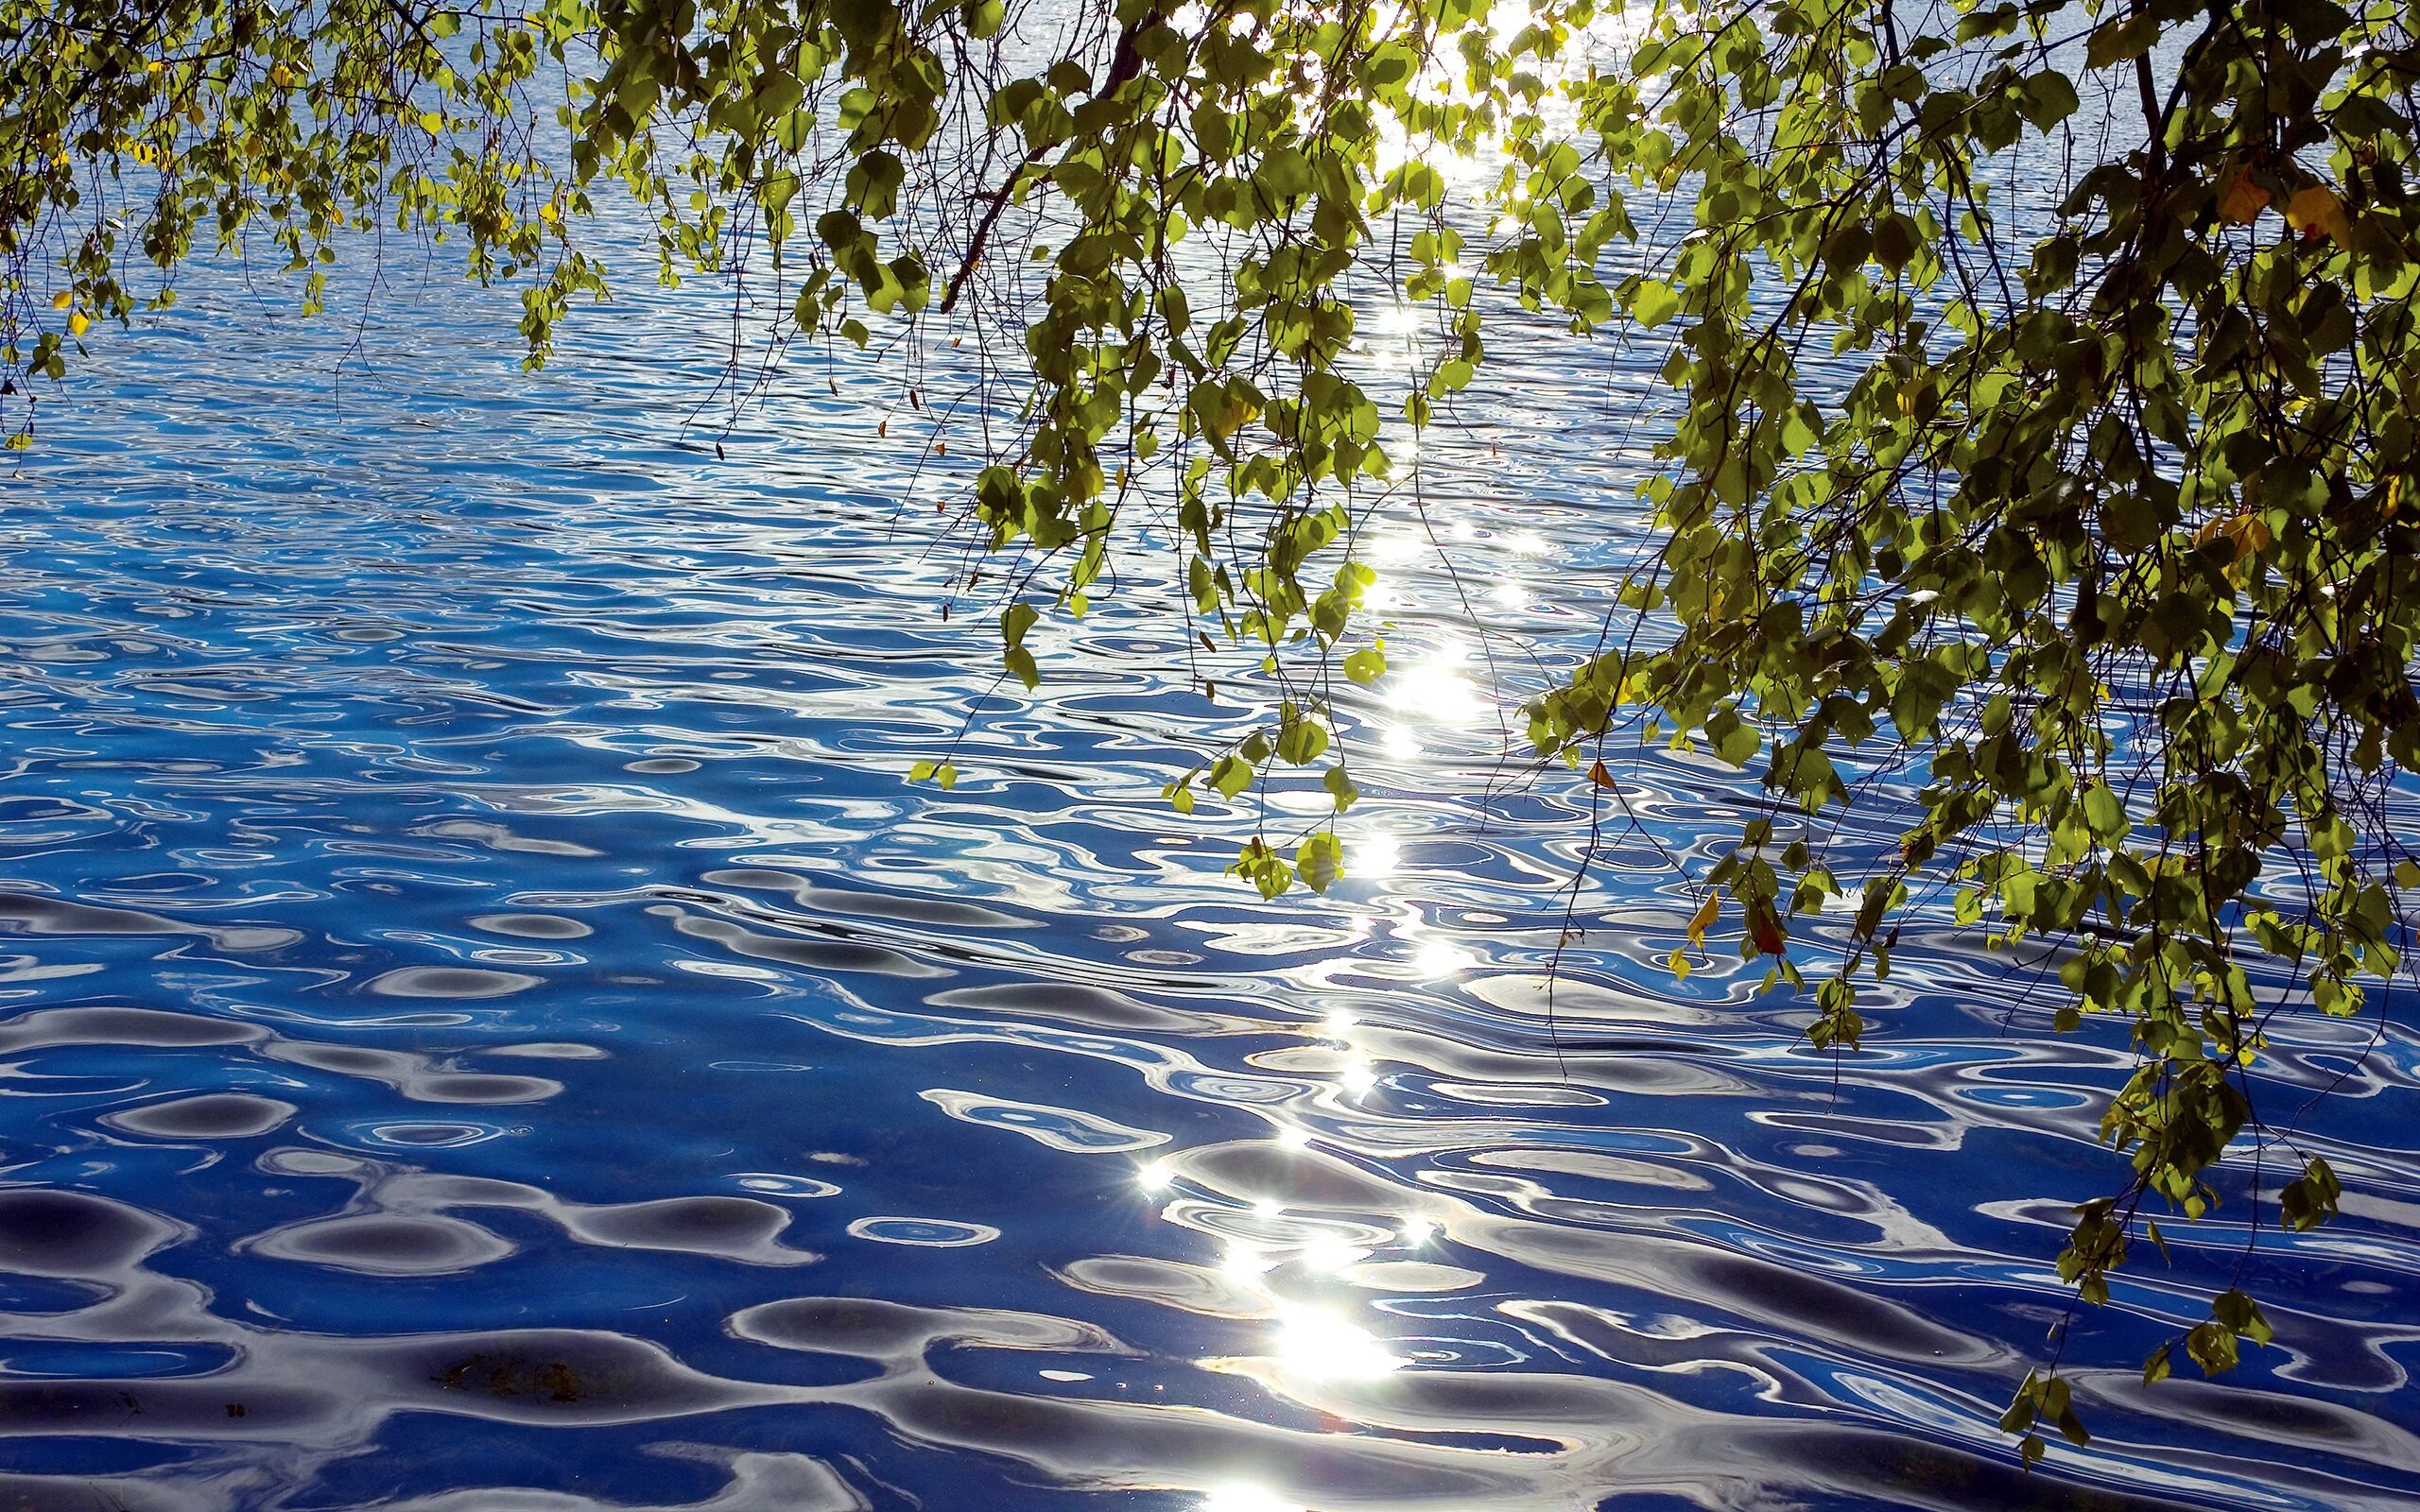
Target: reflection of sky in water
<point>479,998</point>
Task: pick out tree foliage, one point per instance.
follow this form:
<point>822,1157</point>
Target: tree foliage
<point>2051,452</point>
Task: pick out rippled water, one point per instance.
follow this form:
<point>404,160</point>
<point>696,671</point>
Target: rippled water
<point>488,1028</point>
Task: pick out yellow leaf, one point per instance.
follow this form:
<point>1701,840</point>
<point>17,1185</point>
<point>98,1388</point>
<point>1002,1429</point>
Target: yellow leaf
<point>79,324</point>
<point>2316,212</point>
<point>280,75</point>
<point>1705,918</point>
<point>2243,200</point>
<point>1602,777</point>
<point>62,299</point>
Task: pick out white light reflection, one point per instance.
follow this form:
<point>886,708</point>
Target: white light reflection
<point>1247,1498</point>
<point>1328,1256</point>
<point>1376,856</point>
<point>1436,689</point>
<point>1435,960</point>
<point>1418,1231</point>
<point>1314,1344</point>
<point>1153,1174</point>
<point>1294,1137</point>
<point>1356,1077</point>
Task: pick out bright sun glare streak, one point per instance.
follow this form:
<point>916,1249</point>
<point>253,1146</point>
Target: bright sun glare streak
<point>1436,689</point>
<point>1356,1077</point>
<point>1317,1345</point>
<point>1153,1174</point>
<point>1328,1256</point>
<point>1436,958</point>
<point>1246,1499</point>
<point>1376,857</point>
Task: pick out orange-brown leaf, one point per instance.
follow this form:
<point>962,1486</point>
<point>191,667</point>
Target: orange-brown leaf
<point>2243,200</point>
<point>2250,533</point>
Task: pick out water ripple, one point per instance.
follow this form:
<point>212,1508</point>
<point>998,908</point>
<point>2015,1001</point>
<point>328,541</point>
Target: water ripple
<point>487,1026</point>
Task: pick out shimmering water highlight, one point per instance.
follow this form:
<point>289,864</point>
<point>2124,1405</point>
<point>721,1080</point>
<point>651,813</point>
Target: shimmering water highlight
<point>488,1028</point>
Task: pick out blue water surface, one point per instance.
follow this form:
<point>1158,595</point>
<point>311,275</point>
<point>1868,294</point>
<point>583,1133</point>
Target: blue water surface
<point>487,1026</point>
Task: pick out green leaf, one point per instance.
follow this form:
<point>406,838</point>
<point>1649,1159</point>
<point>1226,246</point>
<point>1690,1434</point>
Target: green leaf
<point>1301,742</point>
<point>2121,39</point>
<point>1340,787</point>
<point>1229,775</point>
<point>1652,302</point>
<point>2240,1314</point>
<point>2156,1368</point>
<point>1285,174</point>
<point>2212,1347</point>
<point>1319,860</point>
<point>1734,740</point>
<point>2048,98</point>
<point>2105,813</point>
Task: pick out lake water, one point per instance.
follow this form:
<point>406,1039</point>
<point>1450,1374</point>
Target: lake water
<point>485,1025</point>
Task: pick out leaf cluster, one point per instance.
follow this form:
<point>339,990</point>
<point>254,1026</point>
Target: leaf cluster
<point>2061,462</point>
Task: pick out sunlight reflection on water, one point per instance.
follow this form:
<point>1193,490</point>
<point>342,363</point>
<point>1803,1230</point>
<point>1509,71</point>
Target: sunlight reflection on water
<point>482,999</point>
